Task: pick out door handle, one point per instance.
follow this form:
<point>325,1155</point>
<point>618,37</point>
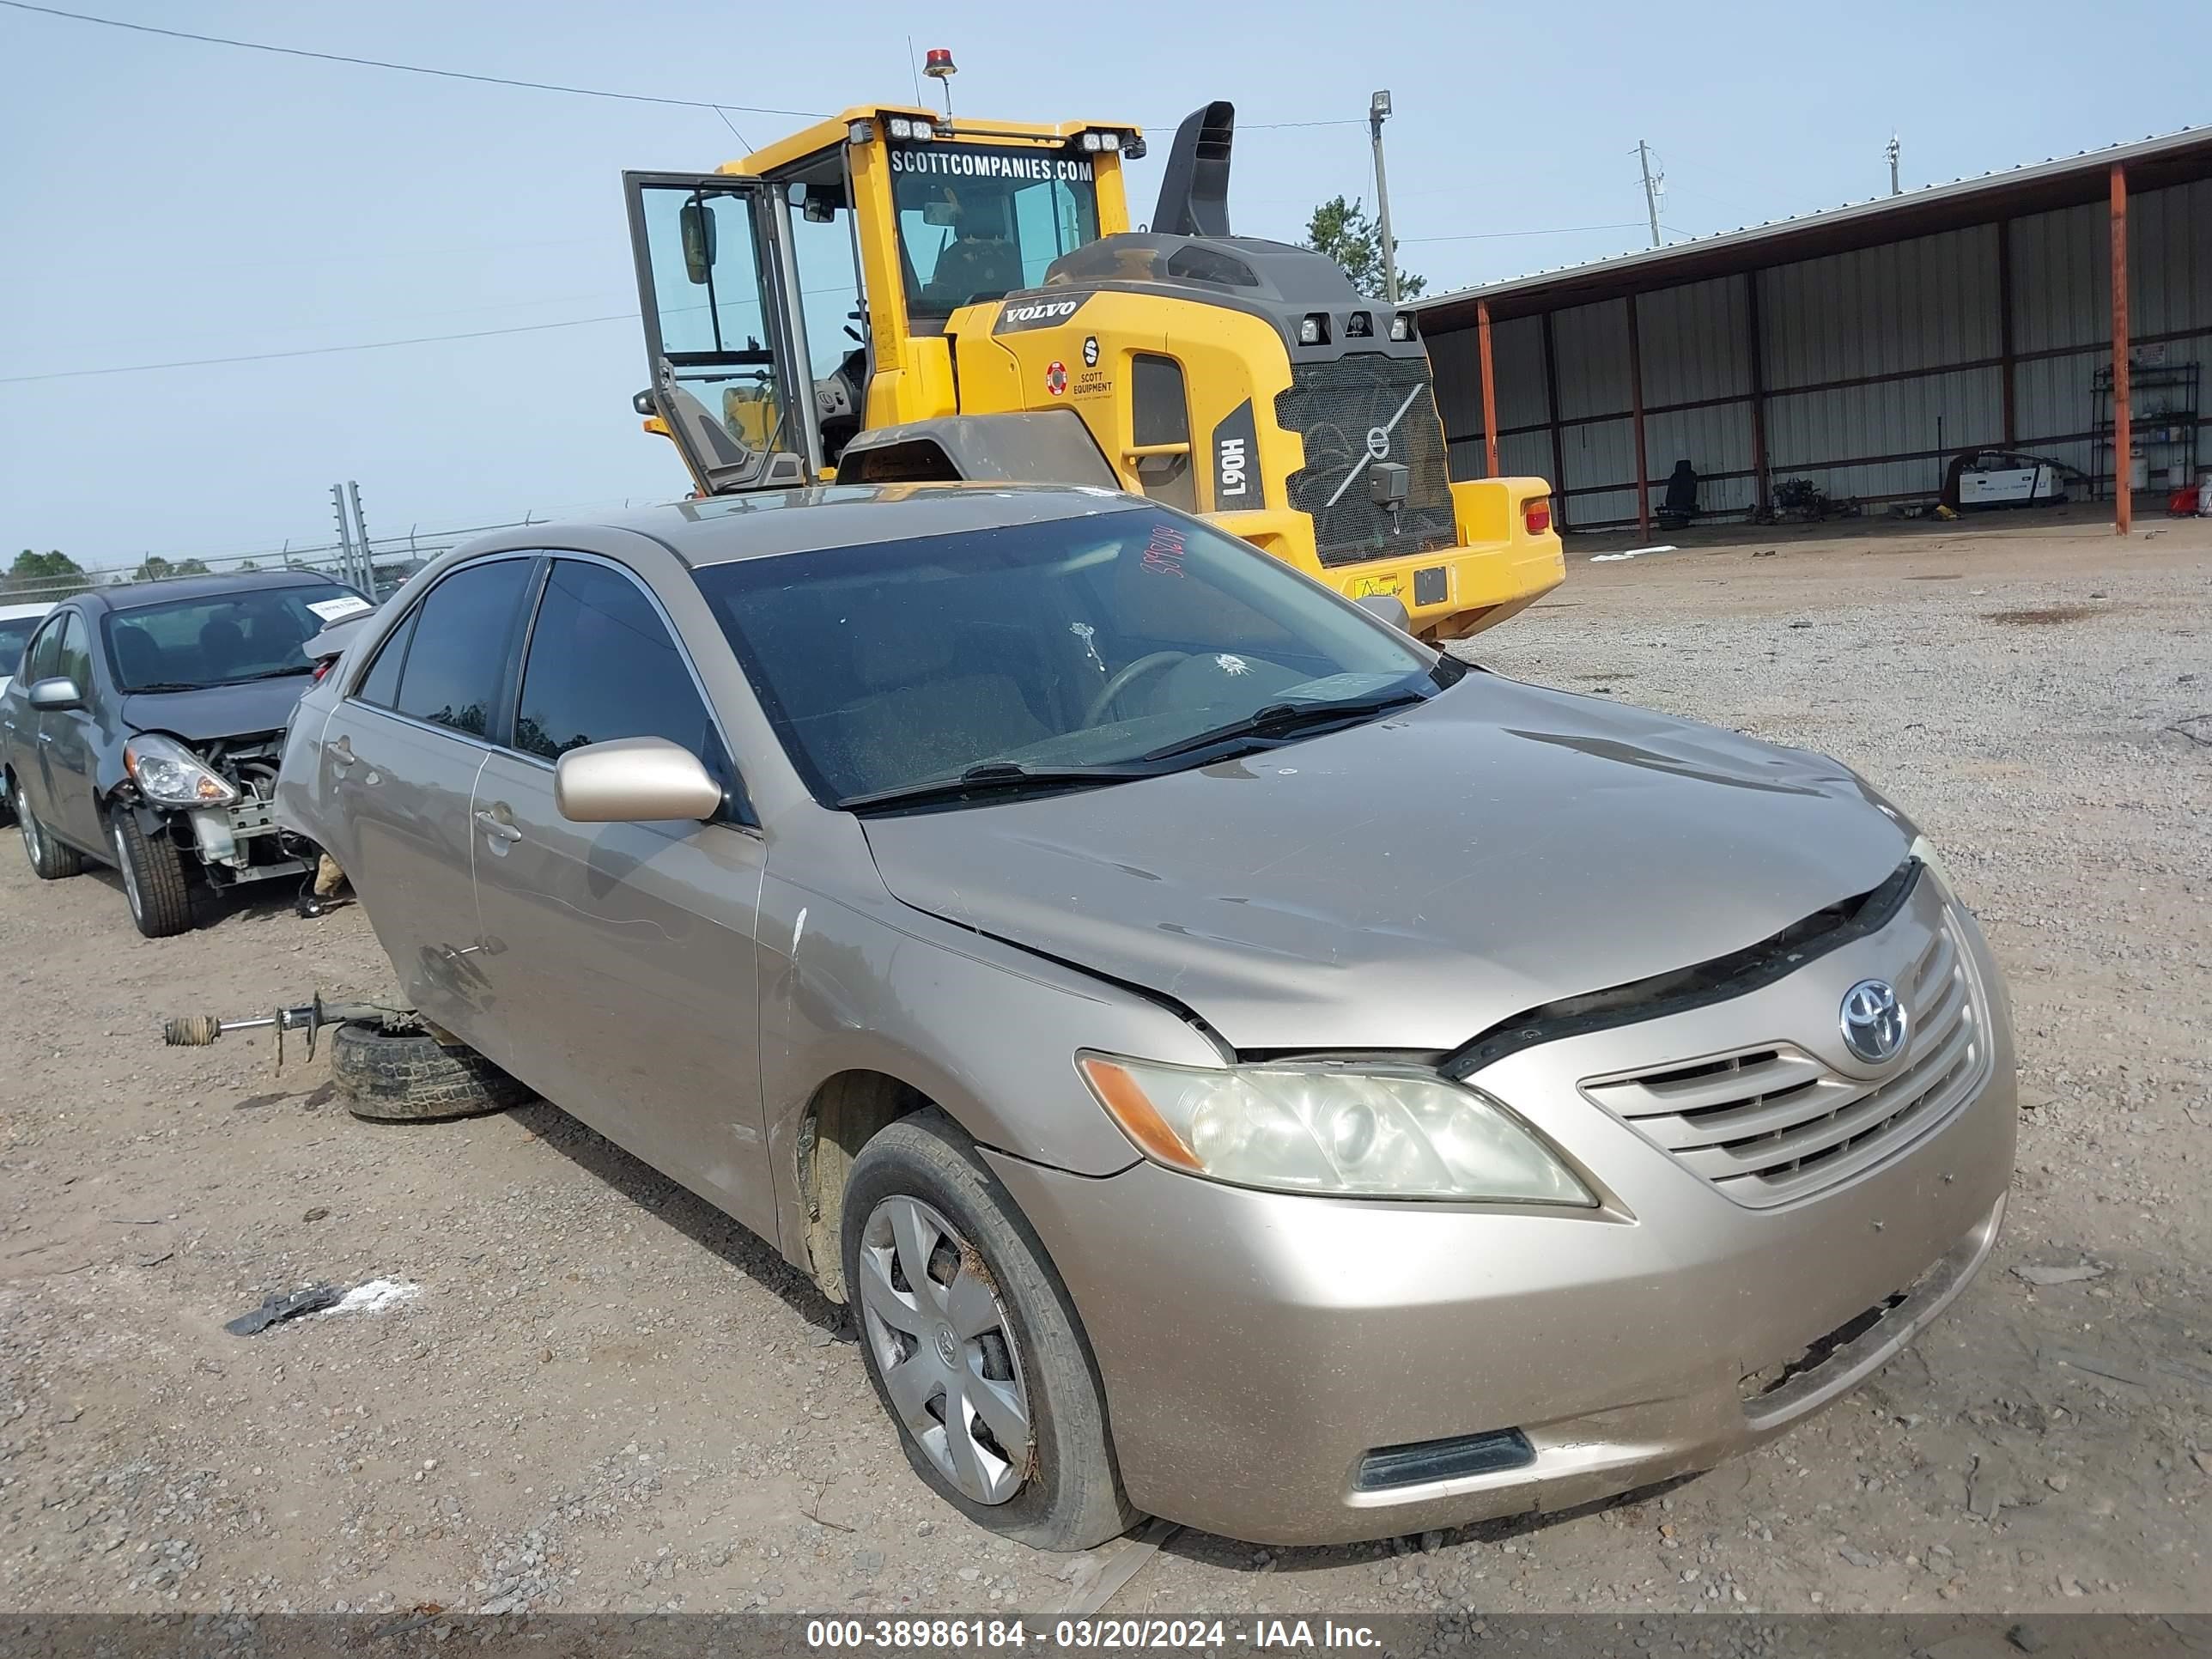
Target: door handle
<point>45,737</point>
<point>497,827</point>
<point>341,752</point>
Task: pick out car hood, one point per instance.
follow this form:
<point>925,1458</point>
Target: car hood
<point>1410,883</point>
<point>215,711</point>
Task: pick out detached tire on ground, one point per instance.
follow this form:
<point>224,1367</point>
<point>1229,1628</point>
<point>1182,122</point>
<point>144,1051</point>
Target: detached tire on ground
<point>153,876</point>
<point>972,1343</point>
<point>406,1075</point>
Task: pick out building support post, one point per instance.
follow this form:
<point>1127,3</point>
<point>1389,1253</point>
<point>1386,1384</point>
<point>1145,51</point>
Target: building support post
<point>2004,331</point>
<point>1635,415</point>
<point>1551,418</point>
<point>1489,390</point>
<point>1760,480</point>
<point>2123,470</point>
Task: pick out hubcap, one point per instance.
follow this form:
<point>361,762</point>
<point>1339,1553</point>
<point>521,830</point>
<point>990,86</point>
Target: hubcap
<point>945,1349</point>
<point>29,826</point>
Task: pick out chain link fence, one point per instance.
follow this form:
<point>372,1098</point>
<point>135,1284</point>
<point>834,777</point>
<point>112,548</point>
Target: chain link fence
<point>35,579</point>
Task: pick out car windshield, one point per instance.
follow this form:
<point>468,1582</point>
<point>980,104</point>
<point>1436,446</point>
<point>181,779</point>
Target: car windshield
<point>14,634</point>
<point>245,634</point>
<point>1133,640</point>
<point>977,222</point>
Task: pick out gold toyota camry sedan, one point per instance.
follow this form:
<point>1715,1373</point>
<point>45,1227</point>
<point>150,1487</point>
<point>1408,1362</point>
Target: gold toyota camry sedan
<point>1235,1063</point>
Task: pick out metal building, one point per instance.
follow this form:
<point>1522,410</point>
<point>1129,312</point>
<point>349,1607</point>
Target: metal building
<point>1859,348</point>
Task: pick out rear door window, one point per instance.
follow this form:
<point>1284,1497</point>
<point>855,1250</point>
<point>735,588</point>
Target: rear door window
<point>463,637</point>
<point>381,685</point>
<point>602,666</point>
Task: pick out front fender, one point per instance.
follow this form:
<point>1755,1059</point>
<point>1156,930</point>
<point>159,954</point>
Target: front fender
<point>986,1031</point>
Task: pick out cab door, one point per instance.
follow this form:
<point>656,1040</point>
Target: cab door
<point>68,742</point>
<point>716,286</point>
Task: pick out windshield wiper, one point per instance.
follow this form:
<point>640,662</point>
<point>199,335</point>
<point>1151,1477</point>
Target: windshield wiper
<point>267,674</point>
<point>1283,720</point>
<point>168,685</point>
<point>996,780</point>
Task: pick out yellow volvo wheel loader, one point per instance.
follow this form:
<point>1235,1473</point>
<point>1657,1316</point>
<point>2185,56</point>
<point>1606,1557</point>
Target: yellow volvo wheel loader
<point>966,300</point>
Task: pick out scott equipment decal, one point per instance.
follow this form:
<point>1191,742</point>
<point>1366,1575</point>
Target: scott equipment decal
<point>944,160</point>
<point>1237,462</point>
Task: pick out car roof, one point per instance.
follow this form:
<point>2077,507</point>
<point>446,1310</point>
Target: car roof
<point>722,529</point>
<point>130,595</point>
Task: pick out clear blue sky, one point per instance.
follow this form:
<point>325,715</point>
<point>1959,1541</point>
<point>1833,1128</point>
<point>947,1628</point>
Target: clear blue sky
<point>162,199</point>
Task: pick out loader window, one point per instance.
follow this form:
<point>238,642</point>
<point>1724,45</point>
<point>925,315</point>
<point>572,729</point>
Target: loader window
<point>976,222</point>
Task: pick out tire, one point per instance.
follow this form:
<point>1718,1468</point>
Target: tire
<point>153,876</point>
<point>1060,1490</point>
<point>50,860</point>
<point>408,1076</point>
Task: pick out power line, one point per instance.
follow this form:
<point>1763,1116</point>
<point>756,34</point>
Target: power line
<point>405,69</point>
<point>313,351</point>
<point>502,80</point>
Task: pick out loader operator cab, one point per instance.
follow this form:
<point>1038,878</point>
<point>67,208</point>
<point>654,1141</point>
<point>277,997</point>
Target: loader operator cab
<point>763,277</point>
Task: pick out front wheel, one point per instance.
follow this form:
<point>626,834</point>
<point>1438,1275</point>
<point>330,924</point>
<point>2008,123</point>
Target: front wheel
<point>972,1343</point>
<point>153,878</point>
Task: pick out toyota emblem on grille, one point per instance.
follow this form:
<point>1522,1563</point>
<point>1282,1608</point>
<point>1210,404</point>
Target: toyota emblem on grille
<point>1873,1022</point>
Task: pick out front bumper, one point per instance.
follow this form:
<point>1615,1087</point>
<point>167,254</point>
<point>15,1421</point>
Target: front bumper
<point>1255,1347</point>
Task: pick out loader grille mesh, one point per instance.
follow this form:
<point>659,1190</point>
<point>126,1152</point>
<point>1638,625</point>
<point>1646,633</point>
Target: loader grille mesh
<point>1333,406</point>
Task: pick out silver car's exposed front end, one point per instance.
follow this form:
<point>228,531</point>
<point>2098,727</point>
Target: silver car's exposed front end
<point>1777,1219</point>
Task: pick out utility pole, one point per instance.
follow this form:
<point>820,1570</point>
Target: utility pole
<point>1378,111</point>
<point>1893,150</point>
<point>1652,188</point>
<point>360,530</point>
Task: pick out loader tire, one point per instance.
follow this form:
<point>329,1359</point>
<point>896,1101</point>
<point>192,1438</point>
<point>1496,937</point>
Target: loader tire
<point>406,1076</point>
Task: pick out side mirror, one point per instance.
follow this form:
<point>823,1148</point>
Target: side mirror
<point>56,694</point>
<point>633,781</point>
<point>1385,607</point>
<point>697,225</point>
<point>942,216</point>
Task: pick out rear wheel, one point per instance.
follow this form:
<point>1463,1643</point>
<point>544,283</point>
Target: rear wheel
<point>972,1343</point>
<point>153,876</point>
<point>50,860</point>
<point>407,1075</point>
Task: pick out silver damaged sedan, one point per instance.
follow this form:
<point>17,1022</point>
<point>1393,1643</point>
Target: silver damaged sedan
<point>1235,1063</point>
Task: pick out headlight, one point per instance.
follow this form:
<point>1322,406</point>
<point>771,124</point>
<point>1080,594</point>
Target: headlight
<point>1371,1131</point>
<point>1401,326</point>
<point>169,775</point>
<point>1313,328</point>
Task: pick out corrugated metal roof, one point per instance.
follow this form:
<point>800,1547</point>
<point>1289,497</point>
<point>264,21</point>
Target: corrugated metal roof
<point>1918,212</point>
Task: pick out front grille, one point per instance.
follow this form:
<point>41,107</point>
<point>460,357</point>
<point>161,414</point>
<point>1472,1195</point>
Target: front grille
<point>1333,406</point>
<point>1769,1125</point>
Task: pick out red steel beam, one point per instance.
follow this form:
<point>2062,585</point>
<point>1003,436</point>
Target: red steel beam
<point>1489,390</point>
<point>1636,414</point>
<point>2122,417</point>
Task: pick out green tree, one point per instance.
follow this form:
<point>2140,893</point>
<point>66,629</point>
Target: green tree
<point>48,576</point>
<point>155,568</point>
<point>1343,231</point>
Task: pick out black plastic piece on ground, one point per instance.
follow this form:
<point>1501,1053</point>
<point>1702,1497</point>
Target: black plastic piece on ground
<point>277,1308</point>
<point>1426,1460</point>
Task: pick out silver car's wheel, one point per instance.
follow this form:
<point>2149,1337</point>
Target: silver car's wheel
<point>944,1347</point>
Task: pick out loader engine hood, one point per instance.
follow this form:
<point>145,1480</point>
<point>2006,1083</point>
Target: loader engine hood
<point>1410,883</point>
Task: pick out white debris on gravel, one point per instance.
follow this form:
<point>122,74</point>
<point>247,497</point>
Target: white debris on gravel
<point>373,1297</point>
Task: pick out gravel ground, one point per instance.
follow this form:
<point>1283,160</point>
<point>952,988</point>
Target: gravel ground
<point>605,1396</point>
